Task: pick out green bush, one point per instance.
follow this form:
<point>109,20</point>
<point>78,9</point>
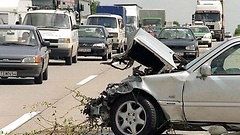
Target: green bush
<point>237,32</point>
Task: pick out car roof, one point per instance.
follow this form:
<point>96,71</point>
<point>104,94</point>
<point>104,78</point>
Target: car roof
<point>105,15</point>
<point>50,11</point>
<point>27,27</point>
<point>92,26</point>
<point>176,27</point>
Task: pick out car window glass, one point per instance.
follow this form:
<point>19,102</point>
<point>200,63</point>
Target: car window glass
<point>17,36</point>
<point>94,32</point>
<point>176,33</point>
<point>228,62</point>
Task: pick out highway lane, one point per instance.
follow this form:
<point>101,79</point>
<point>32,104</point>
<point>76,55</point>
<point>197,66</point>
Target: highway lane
<point>15,93</point>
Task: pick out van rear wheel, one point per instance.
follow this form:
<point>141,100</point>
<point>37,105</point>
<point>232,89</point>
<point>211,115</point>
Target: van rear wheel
<point>68,60</point>
<point>74,59</point>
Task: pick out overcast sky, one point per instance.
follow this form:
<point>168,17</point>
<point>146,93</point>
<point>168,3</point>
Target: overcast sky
<point>182,10</point>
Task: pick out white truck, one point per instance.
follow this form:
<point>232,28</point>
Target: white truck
<point>210,13</point>
<point>133,17</point>
<point>114,19</point>
<point>58,26</point>
<point>12,12</point>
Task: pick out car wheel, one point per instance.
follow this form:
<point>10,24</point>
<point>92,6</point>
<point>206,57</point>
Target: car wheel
<point>105,57</point>
<point>129,117</point>
<point>209,45</point>
<point>74,58</point>
<point>110,55</point>
<point>45,74</point>
<point>69,60</point>
<point>39,79</point>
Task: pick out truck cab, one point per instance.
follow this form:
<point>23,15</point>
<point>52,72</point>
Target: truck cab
<point>211,14</point>
<point>115,26</point>
<point>60,28</point>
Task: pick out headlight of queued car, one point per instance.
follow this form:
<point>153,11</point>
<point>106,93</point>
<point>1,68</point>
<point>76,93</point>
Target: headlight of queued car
<point>190,47</point>
<point>64,40</point>
<point>99,45</point>
<point>208,35</point>
<point>32,59</point>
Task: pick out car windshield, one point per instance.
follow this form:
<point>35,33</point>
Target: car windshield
<point>17,37</point>
<point>108,22</point>
<point>200,30</point>
<point>176,33</point>
<point>47,20</point>
<point>94,32</point>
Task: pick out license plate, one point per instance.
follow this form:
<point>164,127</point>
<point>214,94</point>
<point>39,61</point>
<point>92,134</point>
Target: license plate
<point>8,73</point>
<point>84,50</point>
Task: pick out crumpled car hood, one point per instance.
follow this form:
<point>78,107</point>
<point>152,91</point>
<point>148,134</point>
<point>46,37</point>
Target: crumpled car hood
<point>149,51</point>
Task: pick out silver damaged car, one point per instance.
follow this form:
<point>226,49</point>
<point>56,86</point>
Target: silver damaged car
<point>165,94</point>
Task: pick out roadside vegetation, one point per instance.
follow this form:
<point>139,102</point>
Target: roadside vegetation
<point>62,125</point>
<point>237,32</point>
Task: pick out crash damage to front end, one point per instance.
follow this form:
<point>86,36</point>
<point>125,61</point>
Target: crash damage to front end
<point>144,49</point>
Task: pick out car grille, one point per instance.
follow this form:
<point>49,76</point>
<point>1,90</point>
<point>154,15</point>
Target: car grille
<point>52,40</point>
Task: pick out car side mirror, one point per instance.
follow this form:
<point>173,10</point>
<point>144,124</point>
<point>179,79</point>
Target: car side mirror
<point>75,27</point>
<point>46,43</point>
<point>205,70</point>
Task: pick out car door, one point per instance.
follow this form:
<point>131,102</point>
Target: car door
<point>215,98</point>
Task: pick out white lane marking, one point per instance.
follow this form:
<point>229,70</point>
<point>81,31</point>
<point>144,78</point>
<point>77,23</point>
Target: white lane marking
<point>17,123</point>
<point>86,80</point>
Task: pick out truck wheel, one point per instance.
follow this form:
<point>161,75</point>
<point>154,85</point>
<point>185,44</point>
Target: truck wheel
<point>129,117</point>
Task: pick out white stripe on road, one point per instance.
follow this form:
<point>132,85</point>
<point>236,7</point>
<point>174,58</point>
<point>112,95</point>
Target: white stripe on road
<point>87,80</point>
<point>17,123</point>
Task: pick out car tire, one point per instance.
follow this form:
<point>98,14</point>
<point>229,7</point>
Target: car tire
<point>68,60</point>
<point>209,45</point>
<point>105,57</point>
<point>74,58</point>
<point>139,117</point>
<point>110,55</point>
<point>45,74</point>
<point>39,79</point>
